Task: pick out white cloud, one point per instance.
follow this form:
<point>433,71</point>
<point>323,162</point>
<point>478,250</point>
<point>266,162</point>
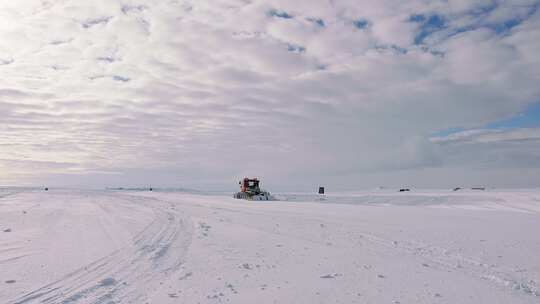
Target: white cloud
<point>181,91</point>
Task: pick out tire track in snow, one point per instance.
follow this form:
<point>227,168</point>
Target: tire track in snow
<point>124,275</point>
<point>439,257</point>
<point>444,259</point>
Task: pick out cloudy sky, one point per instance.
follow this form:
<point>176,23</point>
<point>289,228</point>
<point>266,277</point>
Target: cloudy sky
<point>350,94</point>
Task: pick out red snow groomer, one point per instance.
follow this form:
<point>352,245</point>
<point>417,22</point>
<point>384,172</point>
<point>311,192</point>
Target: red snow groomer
<point>250,190</point>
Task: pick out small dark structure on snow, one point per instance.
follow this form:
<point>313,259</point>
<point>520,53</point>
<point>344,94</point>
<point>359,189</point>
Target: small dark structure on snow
<point>404,190</point>
<point>321,190</point>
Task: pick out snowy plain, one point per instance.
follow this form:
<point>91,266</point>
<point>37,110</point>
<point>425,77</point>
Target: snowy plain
<point>81,246</point>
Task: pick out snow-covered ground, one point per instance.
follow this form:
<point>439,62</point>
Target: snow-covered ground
<point>67,246</point>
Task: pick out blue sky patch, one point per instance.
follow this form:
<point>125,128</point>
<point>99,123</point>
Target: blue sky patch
<point>526,119</point>
<point>530,118</point>
<point>361,23</point>
<point>418,18</point>
<point>428,25</point>
<point>317,21</point>
<point>506,25</point>
<point>295,48</point>
<point>279,14</point>
<point>395,48</point>
<point>447,132</point>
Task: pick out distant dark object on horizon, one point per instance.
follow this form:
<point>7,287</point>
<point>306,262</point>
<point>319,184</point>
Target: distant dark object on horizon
<point>321,190</point>
<point>457,189</point>
<point>46,189</point>
<point>404,190</point>
<point>150,189</point>
<point>478,188</point>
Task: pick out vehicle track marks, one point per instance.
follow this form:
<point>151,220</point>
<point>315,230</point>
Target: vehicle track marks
<point>153,255</point>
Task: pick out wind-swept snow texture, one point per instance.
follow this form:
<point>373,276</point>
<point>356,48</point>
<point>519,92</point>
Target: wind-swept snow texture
<point>370,247</point>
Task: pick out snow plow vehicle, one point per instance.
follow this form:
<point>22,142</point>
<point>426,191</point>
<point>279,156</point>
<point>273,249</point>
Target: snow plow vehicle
<point>250,190</point>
